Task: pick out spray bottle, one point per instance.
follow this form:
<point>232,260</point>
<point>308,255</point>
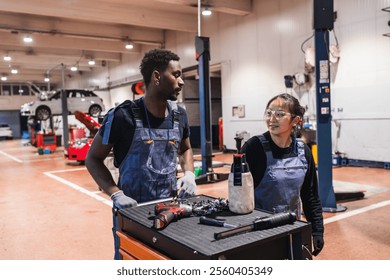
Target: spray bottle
<point>241,190</point>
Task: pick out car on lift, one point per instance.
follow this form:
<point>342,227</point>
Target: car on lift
<point>85,101</point>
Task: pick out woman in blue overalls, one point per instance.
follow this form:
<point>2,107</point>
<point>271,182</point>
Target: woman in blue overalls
<point>283,167</point>
<point>146,135</point>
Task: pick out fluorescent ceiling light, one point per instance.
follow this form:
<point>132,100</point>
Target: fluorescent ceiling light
<point>27,39</point>
<point>129,45</point>
<point>4,78</point>
<point>207,12</point>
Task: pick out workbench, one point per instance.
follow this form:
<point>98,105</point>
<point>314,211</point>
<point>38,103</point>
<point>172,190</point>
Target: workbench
<point>187,239</point>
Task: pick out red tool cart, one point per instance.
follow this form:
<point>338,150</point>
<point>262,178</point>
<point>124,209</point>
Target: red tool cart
<point>46,141</point>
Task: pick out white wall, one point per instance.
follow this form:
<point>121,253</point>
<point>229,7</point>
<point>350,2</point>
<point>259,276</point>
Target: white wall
<point>361,95</point>
<point>256,51</point>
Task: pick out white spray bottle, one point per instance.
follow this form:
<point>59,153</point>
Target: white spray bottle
<point>241,189</point>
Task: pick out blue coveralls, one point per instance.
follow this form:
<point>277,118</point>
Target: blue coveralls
<point>283,179</point>
<point>148,171</point>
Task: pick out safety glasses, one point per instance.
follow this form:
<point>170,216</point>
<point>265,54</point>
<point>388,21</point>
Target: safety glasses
<point>278,114</point>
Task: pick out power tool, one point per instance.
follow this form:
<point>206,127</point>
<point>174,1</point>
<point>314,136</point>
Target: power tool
<point>167,212</point>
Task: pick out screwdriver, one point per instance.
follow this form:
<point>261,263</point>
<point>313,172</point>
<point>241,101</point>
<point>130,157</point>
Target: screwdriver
<point>213,222</point>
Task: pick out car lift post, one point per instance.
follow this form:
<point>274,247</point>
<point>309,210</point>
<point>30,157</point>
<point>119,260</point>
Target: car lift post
<point>64,104</point>
<point>202,46</point>
<point>323,22</point>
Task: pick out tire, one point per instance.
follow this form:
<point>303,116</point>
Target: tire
<point>43,113</point>
<point>95,110</point>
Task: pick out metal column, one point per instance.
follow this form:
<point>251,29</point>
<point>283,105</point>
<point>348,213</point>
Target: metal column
<point>323,21</point>
<point>202,46</point>
<point>65,112</point>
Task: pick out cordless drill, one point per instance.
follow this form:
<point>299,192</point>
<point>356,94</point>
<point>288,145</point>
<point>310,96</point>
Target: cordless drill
<point>167,212</point>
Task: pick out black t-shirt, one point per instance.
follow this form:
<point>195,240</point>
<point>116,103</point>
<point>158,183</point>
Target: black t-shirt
<point>257,161</point>
<point>123,126</point>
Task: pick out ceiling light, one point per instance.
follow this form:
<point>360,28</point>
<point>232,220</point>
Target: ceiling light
<point>47,79</point>
<point>7,57</point>
<point>91,62</point>
<point>73,68</point>
<point>14,71</point>
<point>4,78</point>
<point>129,45</point>
<point>27,39</point>
<point>206,12</point>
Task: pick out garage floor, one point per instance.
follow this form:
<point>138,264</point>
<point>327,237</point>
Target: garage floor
<point>52,209</point>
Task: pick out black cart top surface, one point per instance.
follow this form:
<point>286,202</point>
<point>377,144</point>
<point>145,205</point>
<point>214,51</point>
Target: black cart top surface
<point>187,234</point>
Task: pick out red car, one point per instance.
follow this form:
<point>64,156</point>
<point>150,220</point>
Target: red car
<point>78,147</point>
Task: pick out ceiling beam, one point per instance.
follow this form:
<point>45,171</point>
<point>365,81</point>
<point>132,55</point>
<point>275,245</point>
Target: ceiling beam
<point>38,76</point>
<point>106,11</point>
<point>61,42</point>
<point>66,27</point>
<point>46,62</point>
<point>235,7</point>
<point>37,56</point>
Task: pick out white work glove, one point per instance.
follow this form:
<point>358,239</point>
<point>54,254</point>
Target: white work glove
<point>120,200</point>
<point>187,185</point>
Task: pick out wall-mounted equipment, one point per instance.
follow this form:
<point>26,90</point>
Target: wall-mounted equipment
<point>288,81</point>
<point>301,79</point>
<point>138,88</point>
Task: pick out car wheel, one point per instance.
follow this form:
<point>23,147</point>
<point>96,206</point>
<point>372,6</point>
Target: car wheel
<point>43,113</point>
<point>95,110</point>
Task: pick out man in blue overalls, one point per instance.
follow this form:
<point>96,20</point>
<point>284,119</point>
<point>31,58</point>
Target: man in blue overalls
<point>146,135</point>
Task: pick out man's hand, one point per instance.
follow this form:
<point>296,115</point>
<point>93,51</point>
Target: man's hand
<point>318,243</point>
<point>120,200</point>
<point>187,185</point>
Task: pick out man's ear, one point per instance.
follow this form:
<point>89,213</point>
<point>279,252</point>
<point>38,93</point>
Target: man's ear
<point>156,76</point>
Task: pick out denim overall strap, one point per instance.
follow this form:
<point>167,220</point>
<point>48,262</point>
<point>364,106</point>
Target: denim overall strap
<point>283,179</point>
<point>107,126</point>
<point>148,171</point>
<point>175,115</point>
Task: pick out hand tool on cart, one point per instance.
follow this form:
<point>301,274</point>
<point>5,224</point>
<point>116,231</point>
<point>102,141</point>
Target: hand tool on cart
<point>214,222</point>
<point>268,222</point>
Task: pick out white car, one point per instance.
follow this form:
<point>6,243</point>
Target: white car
<point>84,101</point>
<point>5,131</point>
